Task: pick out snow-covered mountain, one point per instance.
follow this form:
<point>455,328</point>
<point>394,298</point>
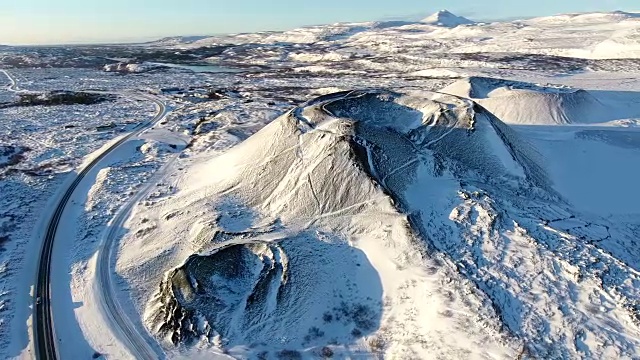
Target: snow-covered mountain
<point>361,222</point>
<point>591,35</point>
<point>523,103</point>
<point>174,40</point>
<point>587,18</point>
<point>446,19</point>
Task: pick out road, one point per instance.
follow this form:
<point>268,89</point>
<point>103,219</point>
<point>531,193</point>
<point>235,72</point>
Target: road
<point>43,328</point>
<point>14,83</point>
<point>136,342</point>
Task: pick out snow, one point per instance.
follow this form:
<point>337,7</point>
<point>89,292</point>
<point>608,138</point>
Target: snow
<point>529,104</point>
<point>303,204</point>
<point>446,19</point>
<point>277,196</point>
<point>589,36</point>
<point>82,312</point>
<point>587,18</point>
<point>438,73</point>
<point>585,153</point>
<point>481,206</point>
<point>130,68</point>
<point>316,57</point>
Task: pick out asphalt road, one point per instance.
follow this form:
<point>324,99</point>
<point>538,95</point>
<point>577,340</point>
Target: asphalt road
<point>137,344</point>
<point>43,327</point>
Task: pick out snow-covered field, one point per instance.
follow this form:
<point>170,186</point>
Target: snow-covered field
<point>404,190</point>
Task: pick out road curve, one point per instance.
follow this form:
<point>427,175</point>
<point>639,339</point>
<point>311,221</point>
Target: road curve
<point>14,84</point>
<point>137,344</point>
<point>43,327</point>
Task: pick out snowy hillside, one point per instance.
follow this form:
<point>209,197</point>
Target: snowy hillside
<point>399,195</point>
<point>592,35</point>
<point>524,103</point>
<point>446,19</point>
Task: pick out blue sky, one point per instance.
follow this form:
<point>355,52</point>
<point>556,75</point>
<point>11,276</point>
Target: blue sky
<point>74,21</point>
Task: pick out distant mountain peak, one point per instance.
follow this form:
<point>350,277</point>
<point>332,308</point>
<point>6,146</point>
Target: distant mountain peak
<point>447,19</point>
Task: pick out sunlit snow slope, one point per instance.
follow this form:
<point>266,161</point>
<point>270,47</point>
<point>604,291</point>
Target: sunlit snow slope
<point>370,222</point>
<point>447,19</point>
<point>529,104</point>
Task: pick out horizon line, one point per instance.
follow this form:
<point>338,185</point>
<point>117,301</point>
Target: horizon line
<point>151,39</point>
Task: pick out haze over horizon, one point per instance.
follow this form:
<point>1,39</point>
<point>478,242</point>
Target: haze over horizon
<point>42,22</point>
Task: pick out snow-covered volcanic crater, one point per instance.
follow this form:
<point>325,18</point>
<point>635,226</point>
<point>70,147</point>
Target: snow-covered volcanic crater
<point>370,222</point>
<point>529,104</point>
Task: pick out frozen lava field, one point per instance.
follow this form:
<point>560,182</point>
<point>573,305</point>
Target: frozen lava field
<point>438,189</point>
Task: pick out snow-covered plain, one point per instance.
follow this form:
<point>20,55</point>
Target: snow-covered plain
<point>439,189</point>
